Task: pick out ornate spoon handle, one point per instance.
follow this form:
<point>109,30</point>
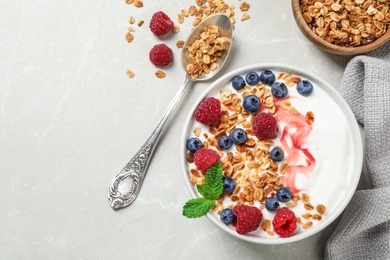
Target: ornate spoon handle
<point>126,185</point>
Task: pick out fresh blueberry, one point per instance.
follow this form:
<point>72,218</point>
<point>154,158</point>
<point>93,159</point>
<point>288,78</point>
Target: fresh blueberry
<point>252,78</point>
<point>304,87</point>
<point>251,103</point>
<point>272,204</point>
<point>227,216</point>
<point>279,90</point>
<point>283,194</point>
<point>277,154</point>
<point>238,82</point>
<point>225,142</point>
<point>238,136</point>
<point>228,184</point>
<point>193,144</point>
<point>267,77</point>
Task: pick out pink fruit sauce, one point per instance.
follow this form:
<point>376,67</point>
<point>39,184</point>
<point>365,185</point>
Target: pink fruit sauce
<point>294,132</point>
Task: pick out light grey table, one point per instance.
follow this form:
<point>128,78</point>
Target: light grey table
<point>70,119</point>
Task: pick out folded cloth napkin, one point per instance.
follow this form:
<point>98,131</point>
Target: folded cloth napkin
<point>364,228</point>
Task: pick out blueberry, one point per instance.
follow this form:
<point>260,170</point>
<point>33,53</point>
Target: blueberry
<point>252,78</point>
<point>279,90</point>
<point>267,77</point>
<point>304,87</point>
<point>225,142</point>
<point>277,154</point>
<point>272,204</point>
<point>193,144</point>
<point>228,184</point>
<point>227,216</point>
<point>251,103</point>
<point>238,82</point>
<point>238,136</point>
<point>283,194</point>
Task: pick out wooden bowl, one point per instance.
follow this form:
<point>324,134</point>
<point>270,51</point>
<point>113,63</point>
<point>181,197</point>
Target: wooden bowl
<point>329,47</point>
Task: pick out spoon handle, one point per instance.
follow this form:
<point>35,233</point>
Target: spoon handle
<point>125,187</point>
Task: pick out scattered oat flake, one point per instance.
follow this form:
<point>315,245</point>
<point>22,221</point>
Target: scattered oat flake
<point>140,23</point>
<point>129,37</point>
<point>129,1</point>
<point>130,73</point>
<point>138,3</point>
<point>160,74</point>
<point>245,17</point>
<point>131,20</point>
<point>180,44</point>
<point>176,29</point>
<point>244,6</point>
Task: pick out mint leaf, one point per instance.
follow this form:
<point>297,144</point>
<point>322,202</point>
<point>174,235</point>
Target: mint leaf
<point>213,182</point>
<point>200,190</point>
<point>198,207</point>
<point>211,191</point>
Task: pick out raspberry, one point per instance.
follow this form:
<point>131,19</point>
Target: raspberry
<point>204,158</point>
<point>208,111</point>
<point>264,126</point>
<point>284,222</point>
<point>161,55</point>
<point>160,24</point>
<point>248,218</point>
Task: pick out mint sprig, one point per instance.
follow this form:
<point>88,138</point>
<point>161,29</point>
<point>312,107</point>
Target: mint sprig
<point>211,190</point>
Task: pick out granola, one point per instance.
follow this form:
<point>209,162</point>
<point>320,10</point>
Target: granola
<point>348,23</point>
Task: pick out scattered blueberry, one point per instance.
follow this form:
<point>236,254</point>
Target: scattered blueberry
<point>304,87</point>
<point>252,78</point>
<point>283,194</point>
<point>194,144</point>
<point>279,90</point>
<point>228,184</point>
<point>238,136</point>
<point>225,142</point>
<point>272,204</point>
<point>227,216</point>
<point>238,82</point>
<point>267,77</point>
<point>251,103</point>
<point>277,154</point>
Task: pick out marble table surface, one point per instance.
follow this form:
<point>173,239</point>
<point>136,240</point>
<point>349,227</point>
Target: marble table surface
<point>70,119</point>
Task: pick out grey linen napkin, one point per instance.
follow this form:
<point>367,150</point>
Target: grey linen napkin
<point>364,228</point>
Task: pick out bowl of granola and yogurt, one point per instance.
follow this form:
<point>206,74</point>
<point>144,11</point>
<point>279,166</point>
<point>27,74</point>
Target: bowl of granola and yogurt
<point>309,181</point>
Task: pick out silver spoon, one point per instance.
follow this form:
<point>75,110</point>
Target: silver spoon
<point>126,185</point>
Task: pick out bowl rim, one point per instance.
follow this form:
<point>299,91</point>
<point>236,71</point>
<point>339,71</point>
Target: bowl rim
<point>356,137</point>
<point>329,47</point>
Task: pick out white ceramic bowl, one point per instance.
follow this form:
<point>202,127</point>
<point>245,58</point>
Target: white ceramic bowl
<point>335,142</point>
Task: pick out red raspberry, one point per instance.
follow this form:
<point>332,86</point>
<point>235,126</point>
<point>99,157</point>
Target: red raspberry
<point>208,111</point>
<point>248,218</point>
<point>161,55</point>
<point>160,24</point>
<point>204,158</point>
<point>264,126</point>
<point>284,222</point>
